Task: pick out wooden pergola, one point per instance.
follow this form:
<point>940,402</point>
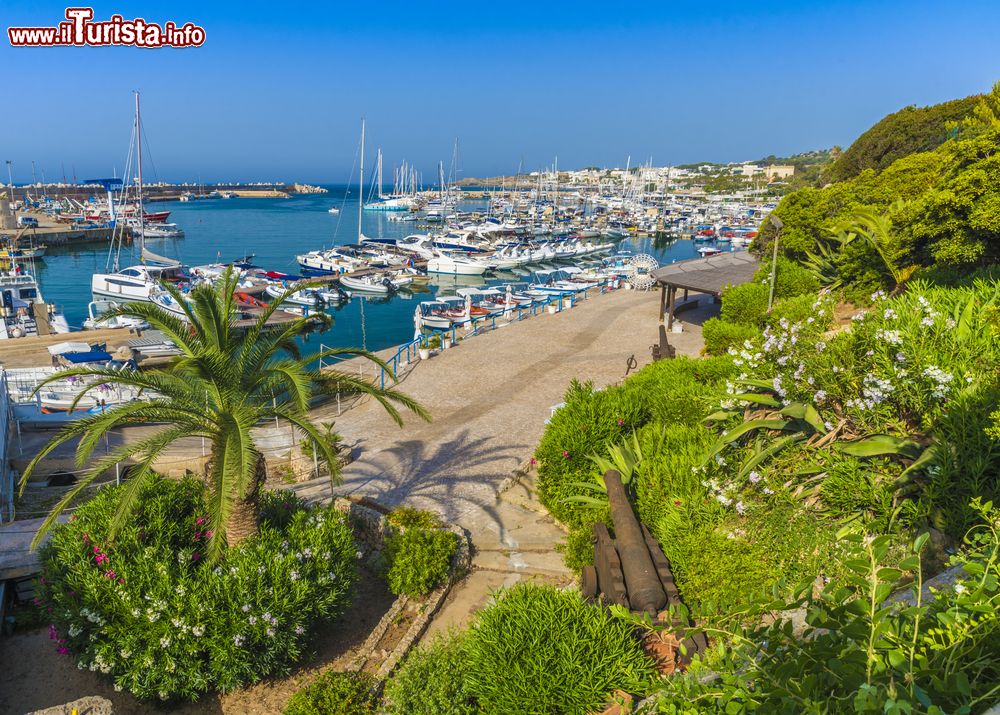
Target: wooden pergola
<point>701,275</point>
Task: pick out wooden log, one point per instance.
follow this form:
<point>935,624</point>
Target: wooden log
<point>645,593</point>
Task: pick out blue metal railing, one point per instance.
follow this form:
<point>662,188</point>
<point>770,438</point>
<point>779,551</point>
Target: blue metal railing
<point>406,352</point>
<point>6,473</point>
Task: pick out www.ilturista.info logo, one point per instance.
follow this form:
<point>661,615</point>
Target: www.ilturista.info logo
<point>80,30</point>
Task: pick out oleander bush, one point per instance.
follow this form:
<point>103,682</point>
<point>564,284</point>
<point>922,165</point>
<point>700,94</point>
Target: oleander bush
<point>333,692</point>
<point>433,680</point>
<point>151,613</point>
<point>540,650</point>
<point>419,559</point>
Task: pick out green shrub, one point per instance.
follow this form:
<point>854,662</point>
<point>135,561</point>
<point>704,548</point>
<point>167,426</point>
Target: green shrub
<point>433,680</point>
<point>721,566</point>
<point>936,654</point>
<point>543,651</point>
<point>866,488</point>
<point>720,335</point>
<point>148,610</point>
<point>745,304</point>
<point>419,560</point>
<point>406,517</point>
<point>590,421</point>
<point>578,549</point>
<point>340,693</point>
<point>792,278</point>
<point>682,391</point>
<point>666,478</point>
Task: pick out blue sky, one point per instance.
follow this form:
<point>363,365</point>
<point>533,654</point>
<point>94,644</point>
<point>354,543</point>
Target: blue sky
<point>278,90</point>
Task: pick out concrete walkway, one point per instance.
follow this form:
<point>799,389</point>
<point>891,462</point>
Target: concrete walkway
<point>490,397</point>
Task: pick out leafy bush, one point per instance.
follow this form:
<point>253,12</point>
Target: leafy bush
<point>745,304</point>
<point>419,559</point>
<point>148,610</point>
<point>854,487</point>
<point>540,650</point>
<point>340,693</point>
<point>720,335</point>
<point>792,278</point>
<point>721,566</point>
<point>406,517</point>
<point>578,549</point>
<point>433,680</point>
<point>798,310</point>
<point>934,654</point>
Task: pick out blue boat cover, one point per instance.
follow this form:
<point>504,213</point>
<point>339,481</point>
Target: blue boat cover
<point>92,356</point>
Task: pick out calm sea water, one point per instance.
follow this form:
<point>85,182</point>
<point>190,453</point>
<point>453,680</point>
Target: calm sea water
<point>277,230</point>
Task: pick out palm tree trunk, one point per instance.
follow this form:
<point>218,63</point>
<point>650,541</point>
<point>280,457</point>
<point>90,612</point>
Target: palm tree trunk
<point>242,522</point>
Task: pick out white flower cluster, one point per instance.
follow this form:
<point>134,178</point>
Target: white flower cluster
<point>874,392</point>
<point>892,337</point>
<point>941,380</point>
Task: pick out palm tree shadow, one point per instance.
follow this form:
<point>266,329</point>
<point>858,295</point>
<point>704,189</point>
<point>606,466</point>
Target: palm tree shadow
<point>450,477</point>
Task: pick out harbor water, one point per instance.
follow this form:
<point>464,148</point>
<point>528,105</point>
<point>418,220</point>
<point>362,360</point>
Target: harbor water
<point>276,230</point>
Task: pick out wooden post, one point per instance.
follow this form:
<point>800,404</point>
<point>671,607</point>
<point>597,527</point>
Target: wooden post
<point>663,301</point>
<point>670,307</point>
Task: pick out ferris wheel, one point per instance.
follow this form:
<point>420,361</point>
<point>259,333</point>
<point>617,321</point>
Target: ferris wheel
<point>642,265</point>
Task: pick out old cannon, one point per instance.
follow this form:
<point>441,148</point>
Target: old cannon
<point>631,569</point>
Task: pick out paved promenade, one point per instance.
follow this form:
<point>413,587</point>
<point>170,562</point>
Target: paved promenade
<point>489,398</point>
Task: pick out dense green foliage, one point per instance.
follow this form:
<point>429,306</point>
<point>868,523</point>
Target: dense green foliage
<point>935,654</point>
<point>908,131</point>
<point>720,335</point>
<point>340,693</point>
<point>433,680</point>
<point>419,559</point>
<point>940,202</point>
<point>150,611</point>
<point>541,651</point>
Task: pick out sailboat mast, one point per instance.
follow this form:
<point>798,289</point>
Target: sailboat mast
<point>361,180</point>
<point>138,142</point>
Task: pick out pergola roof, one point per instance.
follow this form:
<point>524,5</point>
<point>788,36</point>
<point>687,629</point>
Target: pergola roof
<point>708,275</point>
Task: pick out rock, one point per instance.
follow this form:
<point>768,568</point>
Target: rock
<point>92,705</point>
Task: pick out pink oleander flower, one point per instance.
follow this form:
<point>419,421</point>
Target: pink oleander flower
<point>62,650</point>
<point>621,423</point>
<point>533,462</point>
<point>565,455</point>
<point>195,556</point>
<point>200,520</point>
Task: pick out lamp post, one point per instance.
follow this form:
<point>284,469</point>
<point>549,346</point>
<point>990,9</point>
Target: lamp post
<point>778,224</point>
<point>10,188</point>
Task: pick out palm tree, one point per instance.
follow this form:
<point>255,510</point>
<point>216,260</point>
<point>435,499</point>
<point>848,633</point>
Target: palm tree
<point>226,381</point>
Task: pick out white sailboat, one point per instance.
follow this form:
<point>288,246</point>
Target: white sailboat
<point>141,282</point>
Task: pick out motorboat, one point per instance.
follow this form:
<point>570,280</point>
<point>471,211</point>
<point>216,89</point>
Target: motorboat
<point>458,265</point>
<point>135,282</point>
<point>22,307</point>
<point>96,311</point>
<point>374,283</point>
<point>308,297</point>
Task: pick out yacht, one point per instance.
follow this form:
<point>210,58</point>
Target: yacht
<point>139,283</point>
